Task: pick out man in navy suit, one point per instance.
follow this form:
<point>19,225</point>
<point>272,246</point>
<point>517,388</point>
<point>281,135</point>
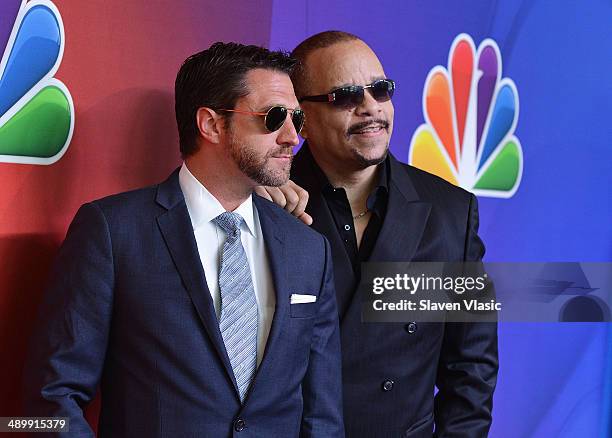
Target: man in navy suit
<point>373,208</point>
<point>199,309</point>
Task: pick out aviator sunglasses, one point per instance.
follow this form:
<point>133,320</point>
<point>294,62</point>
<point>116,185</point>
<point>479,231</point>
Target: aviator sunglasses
<point>275,117</point>
<point>353,95</point>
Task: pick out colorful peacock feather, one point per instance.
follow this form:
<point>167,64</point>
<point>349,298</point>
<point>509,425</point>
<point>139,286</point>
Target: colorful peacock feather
<point>471,115</point>
<point>36,110</point>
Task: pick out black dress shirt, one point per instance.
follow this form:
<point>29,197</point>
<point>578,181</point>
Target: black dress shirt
<point>339,206</point>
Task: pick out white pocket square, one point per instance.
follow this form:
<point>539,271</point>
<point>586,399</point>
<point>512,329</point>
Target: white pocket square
<point>302,299</point>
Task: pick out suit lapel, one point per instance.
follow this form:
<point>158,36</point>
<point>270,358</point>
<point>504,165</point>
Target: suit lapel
<point>176,228</point>
<point>274,237</point>
<point>404,221</point>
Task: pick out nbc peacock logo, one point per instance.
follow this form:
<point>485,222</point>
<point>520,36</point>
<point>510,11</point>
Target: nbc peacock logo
<point>471,114</point>
<point>36,109</point>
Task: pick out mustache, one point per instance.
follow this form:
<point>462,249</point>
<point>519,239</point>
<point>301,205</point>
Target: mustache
<point>280,151</point>
<point>361,125</point>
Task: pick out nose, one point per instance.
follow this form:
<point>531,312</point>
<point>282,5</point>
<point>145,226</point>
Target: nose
<point>287,135</point>
<point>369,106</point>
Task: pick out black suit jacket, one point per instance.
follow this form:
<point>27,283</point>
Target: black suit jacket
<point>128,308</point>
<point>427,219</point>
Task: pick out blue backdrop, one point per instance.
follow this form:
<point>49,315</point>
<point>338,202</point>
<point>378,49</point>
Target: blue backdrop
<point>555,379</point>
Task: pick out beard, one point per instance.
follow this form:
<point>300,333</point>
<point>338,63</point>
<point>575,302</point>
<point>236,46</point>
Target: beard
<point>257,167</point>
<point>364,162</point>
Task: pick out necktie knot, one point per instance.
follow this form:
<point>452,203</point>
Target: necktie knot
<point>229,222</point>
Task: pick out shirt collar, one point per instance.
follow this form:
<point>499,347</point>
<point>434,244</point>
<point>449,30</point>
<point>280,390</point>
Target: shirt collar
<point>203,207</point>
<point>383,175</point>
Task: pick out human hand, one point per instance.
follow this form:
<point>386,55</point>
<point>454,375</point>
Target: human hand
<point>290,196</point>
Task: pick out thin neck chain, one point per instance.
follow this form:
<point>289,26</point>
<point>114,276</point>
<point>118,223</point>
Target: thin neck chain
<point>362,214</point>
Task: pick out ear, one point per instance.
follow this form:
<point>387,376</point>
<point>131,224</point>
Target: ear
<point>210,124</point>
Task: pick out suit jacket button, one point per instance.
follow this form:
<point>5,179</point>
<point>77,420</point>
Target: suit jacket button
<point>387,385</point>
<point>239,425</point>
<point>411,327</point>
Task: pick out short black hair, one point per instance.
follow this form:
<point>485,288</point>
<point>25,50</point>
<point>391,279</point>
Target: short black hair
<point>215,78</point>
<point>321,40</point>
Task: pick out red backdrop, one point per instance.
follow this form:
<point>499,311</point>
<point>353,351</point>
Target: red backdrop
<point>119,64</point>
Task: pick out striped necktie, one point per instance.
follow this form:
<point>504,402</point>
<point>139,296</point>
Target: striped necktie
<point>238,320</point>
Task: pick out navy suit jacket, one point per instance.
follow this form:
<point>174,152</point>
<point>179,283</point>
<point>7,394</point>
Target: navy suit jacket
<point>128,309</point>
<point>390,369</point>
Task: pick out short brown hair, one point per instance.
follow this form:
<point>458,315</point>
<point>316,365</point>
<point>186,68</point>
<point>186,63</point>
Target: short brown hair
<point>215,78</point>
<point>321,40</point>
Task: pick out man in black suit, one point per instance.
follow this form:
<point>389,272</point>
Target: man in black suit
<point>373,208</point>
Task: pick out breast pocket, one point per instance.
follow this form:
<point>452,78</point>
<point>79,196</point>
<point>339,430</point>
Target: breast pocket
<point>303,310</point>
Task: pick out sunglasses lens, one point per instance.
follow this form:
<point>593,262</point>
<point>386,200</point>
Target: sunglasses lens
<point>348,96</point>
<point>275,118</point>
<point>383,90</point>
<point>298,120</point>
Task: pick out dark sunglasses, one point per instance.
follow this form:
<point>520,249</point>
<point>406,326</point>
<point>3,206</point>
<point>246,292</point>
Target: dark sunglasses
<point>381,89</point>
<point>275,117</point>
